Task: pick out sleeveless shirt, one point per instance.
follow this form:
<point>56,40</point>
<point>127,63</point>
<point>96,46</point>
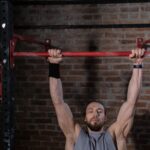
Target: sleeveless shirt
<point>94,141</point>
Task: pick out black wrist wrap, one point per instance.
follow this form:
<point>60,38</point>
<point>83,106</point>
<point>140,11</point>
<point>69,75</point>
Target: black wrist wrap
<point>54,70</point>
<point>138,66</point>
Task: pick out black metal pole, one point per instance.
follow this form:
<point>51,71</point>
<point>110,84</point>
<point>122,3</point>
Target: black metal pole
<point>6,33</point>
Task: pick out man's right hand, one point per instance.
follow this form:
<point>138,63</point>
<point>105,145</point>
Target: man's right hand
<point>55,56</point>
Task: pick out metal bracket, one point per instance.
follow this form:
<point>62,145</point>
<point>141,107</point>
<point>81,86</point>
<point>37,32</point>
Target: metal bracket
<point>139,42</point>
<point>6,32</point>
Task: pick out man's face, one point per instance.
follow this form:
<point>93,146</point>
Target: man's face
<point>95,116</point>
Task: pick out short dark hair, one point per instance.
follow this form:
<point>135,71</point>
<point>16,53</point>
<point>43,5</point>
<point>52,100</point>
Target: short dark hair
<point>96,101</point>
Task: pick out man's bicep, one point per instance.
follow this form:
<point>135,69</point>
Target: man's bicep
<point>124,120</point>
<point>119,132</point>
<point>125,113</point>
<point>128,127</point>
<point>65,119</point>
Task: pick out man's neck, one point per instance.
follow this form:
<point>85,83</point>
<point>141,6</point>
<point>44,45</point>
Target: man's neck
<point>91,131</point>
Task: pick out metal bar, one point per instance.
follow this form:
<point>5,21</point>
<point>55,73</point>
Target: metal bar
<point>73,2</point>
<point>29,39</point>
<point>76,54</point>
<point>6,32</point>
<point>96,26</point>
<point>0,81</point>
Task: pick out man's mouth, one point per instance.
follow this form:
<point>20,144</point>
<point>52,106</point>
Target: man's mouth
<point>94,120</point>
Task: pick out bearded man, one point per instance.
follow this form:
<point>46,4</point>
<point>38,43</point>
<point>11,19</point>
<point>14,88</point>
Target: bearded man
<point>96,137</point>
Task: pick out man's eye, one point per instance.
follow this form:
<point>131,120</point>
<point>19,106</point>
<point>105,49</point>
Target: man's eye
<point>99,112</point>
<point>90,111</point>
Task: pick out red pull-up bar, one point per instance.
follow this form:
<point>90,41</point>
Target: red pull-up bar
<point>140,44</point>
<point>77,54</point>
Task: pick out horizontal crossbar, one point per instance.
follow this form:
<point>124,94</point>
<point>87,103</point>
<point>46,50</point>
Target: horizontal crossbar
<point>76,54</point>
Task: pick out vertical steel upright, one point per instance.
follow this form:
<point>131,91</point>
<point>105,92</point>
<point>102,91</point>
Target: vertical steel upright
<point>6,33</point>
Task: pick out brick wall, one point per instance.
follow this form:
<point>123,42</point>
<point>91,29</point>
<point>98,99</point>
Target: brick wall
<point>105,79</point>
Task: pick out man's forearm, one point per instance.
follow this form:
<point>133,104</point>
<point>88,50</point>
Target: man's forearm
<point>134,85</point>
<point>56,90</point>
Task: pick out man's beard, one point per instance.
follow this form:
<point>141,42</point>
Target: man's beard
<point>95,126</point>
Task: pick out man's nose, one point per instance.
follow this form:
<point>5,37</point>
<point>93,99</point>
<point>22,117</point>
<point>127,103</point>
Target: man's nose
<point>96,114</point>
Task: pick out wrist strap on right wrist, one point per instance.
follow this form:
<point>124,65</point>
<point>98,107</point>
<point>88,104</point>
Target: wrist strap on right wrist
<point>138,66</point>
<point>54,70</point>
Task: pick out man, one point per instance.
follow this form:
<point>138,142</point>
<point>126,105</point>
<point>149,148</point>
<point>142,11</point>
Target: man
<point>96,138</point>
